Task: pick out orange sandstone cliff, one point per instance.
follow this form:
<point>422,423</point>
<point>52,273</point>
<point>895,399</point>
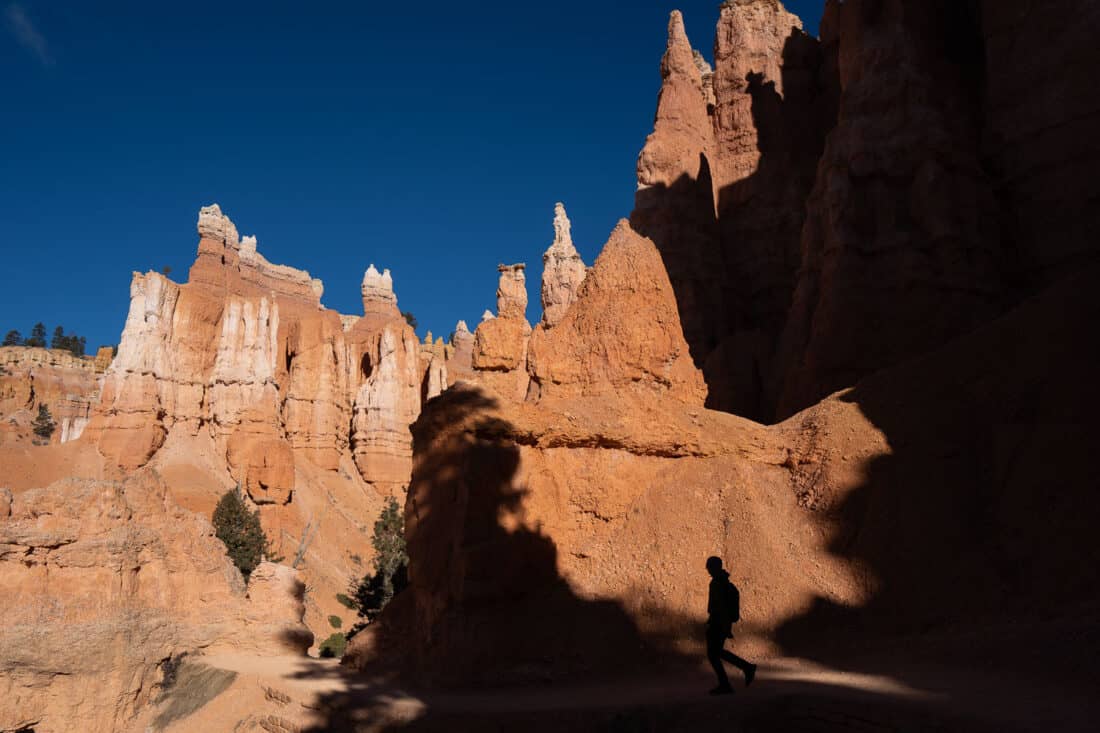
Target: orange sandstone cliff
<point>242,376</point>
<point>875,233</point>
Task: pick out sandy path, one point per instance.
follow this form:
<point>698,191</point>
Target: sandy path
<point>789,694</point>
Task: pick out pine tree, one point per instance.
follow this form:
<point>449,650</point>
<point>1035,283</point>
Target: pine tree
<point>409,319</point>
<point>77,345</point>
<point>59,341</point>
<point>241,532</point>
<point>38,336</point>
<point>14,338</point>
<point>391,563</point>
<point>44,425</point>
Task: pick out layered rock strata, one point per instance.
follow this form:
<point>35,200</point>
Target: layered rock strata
<point>246,352</point>
<point>67,385</point>
<point>242,376</point>
<point>566,536</point>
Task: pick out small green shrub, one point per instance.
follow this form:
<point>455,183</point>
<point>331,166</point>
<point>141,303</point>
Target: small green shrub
<point>345,601</point>
<point>336,621</point>
<point>333,646</point>
<point>241,532</point>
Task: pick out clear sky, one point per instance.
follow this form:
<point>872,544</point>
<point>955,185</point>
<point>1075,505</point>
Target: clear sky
<point>429,137</point>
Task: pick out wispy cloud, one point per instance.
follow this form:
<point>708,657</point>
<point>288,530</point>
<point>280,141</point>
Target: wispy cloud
<point>25,32</point>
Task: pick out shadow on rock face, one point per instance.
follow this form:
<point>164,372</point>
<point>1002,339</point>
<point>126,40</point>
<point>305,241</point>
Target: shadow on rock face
<point>486,606</point>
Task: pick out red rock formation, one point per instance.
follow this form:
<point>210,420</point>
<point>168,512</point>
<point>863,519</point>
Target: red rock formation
<point>929,212</point>
<point>241,375</point>
<point>246,352</point>
<point>674,204</point>
<point>460,361</point>
<point>621,336</point>
<point>103,584</point>
<point>563,271</point>
<point>902,205</point>
<point>64,383</point>
<point>103,358</point>
<point>500,342</point>
<point>566,533</point>
<point>721,183</point>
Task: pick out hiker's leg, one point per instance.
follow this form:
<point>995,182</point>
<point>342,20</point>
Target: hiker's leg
<point>736,661</point>
<point>714,656</point>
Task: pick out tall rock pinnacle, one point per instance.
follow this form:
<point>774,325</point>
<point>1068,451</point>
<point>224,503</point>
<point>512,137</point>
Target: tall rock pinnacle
<point>562,273</point>
<point>682,129</point>
<point>377,291</point>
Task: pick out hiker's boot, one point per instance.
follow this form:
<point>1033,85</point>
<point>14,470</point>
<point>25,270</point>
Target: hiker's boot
<point>750,674</point>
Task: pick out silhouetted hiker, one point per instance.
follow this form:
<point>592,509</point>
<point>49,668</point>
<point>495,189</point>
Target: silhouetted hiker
<point>723,611</point>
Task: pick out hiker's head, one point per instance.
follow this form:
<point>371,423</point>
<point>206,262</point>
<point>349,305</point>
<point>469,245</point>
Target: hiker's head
<point>714,565</point>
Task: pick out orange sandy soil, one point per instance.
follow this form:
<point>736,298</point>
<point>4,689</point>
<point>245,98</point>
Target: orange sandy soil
<point>1021,677</point>
<point>24,466</point>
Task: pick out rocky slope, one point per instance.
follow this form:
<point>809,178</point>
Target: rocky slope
<point>107,583</point>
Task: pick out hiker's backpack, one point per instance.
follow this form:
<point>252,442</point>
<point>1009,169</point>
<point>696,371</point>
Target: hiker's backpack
<point>733,602</point>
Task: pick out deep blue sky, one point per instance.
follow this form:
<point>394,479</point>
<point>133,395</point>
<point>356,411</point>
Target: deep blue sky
<point>432,138</point>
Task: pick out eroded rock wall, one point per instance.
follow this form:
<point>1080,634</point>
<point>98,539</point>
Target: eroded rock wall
<point>721,185</point>
<point>829,207</point>
<point>106,582</point>
<point>242,376</point>
<point>563,534</point>
<point>67,385</point>
<point>903,235</point>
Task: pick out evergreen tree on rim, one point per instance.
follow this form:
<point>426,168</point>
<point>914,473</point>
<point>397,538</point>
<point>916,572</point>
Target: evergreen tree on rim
<point>38,336</point>
<point>14,338</point>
